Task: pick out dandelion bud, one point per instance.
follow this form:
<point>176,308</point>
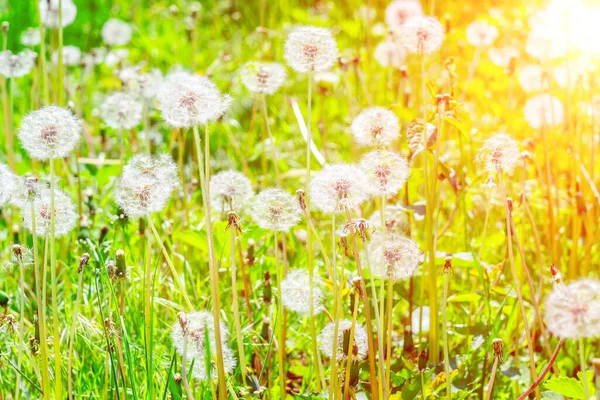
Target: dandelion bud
<point>344,242</point>
<point>65,215</point>
<point>295,292</point>
<point>121,265</point>
<point>357,286</point>
<point>375,126</point>
<point>116,32</point>
<point>5,26</point>
<point>83,261</point>
<point>49,14</point>
<point>357,350</point>
<point>177,378</point>
<point>415,132</point>
<point>423,35</point>
<point>556,275</point>
<point>231,190</point>
<point>339,187</point>
<point>265,331</point>
<point>422,363</point>
<point>387,170</point>
<point>267,289</point>
<point>409,344</point>
<point>499,153</point>
<point>498,347</point>
<point>596,365</point>
<point>395,258</point>
<point>573,311</point>
<point>183,322</point>
<point>250,259</point>
<point>263,78</point>
<point>301,199</point>
<point>275,209</point>
<point>309,48</point>
<point>50,133</point>
<point>121,111</point>
<point>4,299</point>
<point>111,270</point>
<point>447,268</point>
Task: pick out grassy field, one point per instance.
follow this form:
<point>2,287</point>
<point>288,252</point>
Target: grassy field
<point>443,246</point>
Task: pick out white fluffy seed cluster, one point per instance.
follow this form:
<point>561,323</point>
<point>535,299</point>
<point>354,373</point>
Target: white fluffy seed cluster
<point>389,53</point>
<point>146,184</point>
<point>393,257</point>
<point>375,126</point>
<point>329,341</point>
<point>141,84</point>
<point>263,77</point>
<point>499,153</point>
<point>49,15</point>
<point>230,190</point>
<point>116,32</point>
<point>65,215</point>
<point>186,100</point>
<point>49,133</point>
<point>308,48</point>
<point>339,187</point>
<point>31,37</point>
<point>423,35</point>
<point>8,184</point>
<point>396,219</point>
<point>398,12</point>
<point>193,339</point>
<point>275,209</point>
<point>295,292</point>
<point>481,33</point>
<point>121,111</point>
<point>387,170</point>
<point>573,311</point>
<point>71,56</point>
<point>544,110</point>
<point>16,65</point>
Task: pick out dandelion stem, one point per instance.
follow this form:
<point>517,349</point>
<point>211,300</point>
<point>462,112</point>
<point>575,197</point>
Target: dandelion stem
<point>61,71</point>
<point>72,336</point>
<point>350,355</point>
<point>184,370</point>
<point>280,329</point>
<point>445,336</point>
<point>21,266</point>
<point>490,385</point>
<point>271,139</point>
<point>236,307</point>
<point>333,381</point>
<point>582,365</point>
<point>148,310</point>
<point>545,371</point>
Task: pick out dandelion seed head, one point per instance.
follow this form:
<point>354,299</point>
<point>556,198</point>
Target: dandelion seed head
<point>308,48</point>
<point>20,257</point>
<point>295,292</point>
<point>31,37</point>
<point>396,219</point>
<point>116,32</point>
<point>65,215</point>
<point>573,311</point>
<point>546,43</point>
<point>499,153</point>
<point>481,33</point>
<point>263,77</point>
<point>388,53</point>
<point>398,12</point>
<point>49,13</point>
<point>544,110</point>
<point>275,209</point>
<point>121,111</point>
<point>50,132</point>
<point>393,257</point>
<point>16,65</point>
<point>186,100</point>
<point>115,57</point>
<point>71,56</point>
<point>8,184</point>
<point>387,170</point>
<point>146,184</point>
<point>501,56</point>
<point>329,341</point>
<point>230,190</point>
<point>422,35</point>
<point>375,126</point>
<point>531,78</point>
<point>339,187</point>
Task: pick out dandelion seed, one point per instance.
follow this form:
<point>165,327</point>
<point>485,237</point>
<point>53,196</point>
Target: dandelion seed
<point>573,311</point>
<point>121,111</point>
<point>16,65</point>
<point>309,48</point>
<point>423,35</point>
<point>186,100</point>
<point>329,341</point>
<point>339,187</point>
<point>387,170</point>
<point>481,33</point>
<point>146,184</point>
<point>31,37</point>
<point>65,215</point>
<point>295,292</point>
<point>394,257</point>
<point>275,209</point>
<point>50,133</point>
<point>71,56</point>
<point>398,12</point>
<point>544,110</point>
<point>8,184</point>
<point>388,53</point>
<point>500,153</point>
<point>263,77</point>
<point>231,189</point>
<point>375,126</point>
<point>49,13</point>
<point>116,32</point>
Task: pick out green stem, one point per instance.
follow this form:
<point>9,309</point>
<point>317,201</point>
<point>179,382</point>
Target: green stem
<point>582,365</point>
<point>21,318</point>
<point>54,284</point>
<point>333,379</point>
<point>72,336</point>
<point>445,335</point>
<point>61,89</point>
<point>351,345</point>
<point>148,310</point>
<point>270,135</point>
<point>236,308</point>
<point>280,326</point>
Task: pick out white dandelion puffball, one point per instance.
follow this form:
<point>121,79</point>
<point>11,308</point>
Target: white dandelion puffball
<point>481,33</point>
<point>71,56</point>
<point>387,170</point>
<point>388,53</point>
<point>501,56</point>
<point>499,153</point>
<point>186,100</point>
<point>8,184</point>
<point>398,12</point>
<point>31,37</point>
<point>546,43</point>
<point>116,32</point>
<point>396,219</point>
<point>231,190</point>
<point>115,57</point>
<point>146,184</point>
<point>295,292</point>
<point>309,48</point>
<point>339,187</point>
<point>49,13</point>
<point>49,133</point>
<point>573,311</point>
<point>375,126</point>
<point>65,215</point>
<point>544,110</point>
<point>139,84</point>
<point>275,209</point>
<point>193,338</point>
<point>121,111</point>
<point>16,65</point>
<point>531,78</point>
<point>329,341</point>
<point>415,321</point>
<point>263,77</point>
<point>394,257</point>
<point>423,35</point>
